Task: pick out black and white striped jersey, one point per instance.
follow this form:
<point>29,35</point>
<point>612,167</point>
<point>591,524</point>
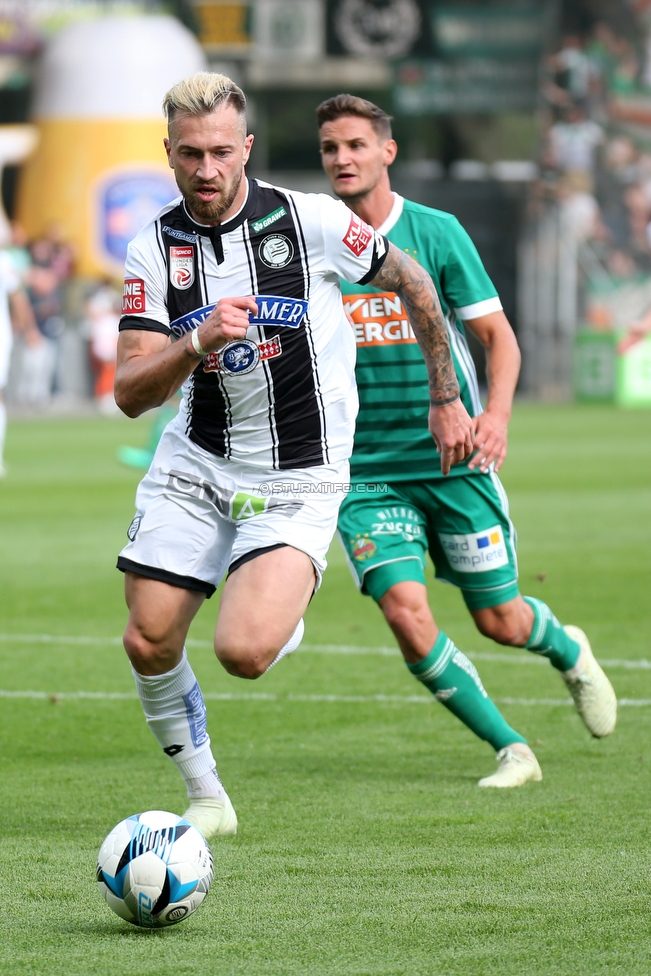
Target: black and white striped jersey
<point>285,397</point>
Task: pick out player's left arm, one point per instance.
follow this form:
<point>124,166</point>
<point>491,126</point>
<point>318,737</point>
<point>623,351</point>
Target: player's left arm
<point>502,369</point>
<point>449,423</point>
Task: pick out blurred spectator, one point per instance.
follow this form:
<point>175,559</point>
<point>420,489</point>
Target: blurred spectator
<point>18,251</point>
<point>52,265</point>
<point>624,77</point>
<point>582,214</point>
<point>573,144</point>
<point>15,314</point>
<point>601,50</point>
<point>103,310</point>
<point>574,72</point>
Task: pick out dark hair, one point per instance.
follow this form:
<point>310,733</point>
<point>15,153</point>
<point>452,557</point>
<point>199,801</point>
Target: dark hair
<point>334,108</point>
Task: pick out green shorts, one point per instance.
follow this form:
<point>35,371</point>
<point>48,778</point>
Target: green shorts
<point>463,522</point>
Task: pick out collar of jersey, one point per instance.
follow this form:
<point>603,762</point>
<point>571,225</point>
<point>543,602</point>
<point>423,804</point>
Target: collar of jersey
<point>218,230</point>
<point>394,215</point>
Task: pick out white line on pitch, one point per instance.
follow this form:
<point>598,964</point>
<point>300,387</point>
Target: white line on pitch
<point>352,649</point>
<point>345,699</point>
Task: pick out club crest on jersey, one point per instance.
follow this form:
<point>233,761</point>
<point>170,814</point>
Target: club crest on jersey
<point>182,266</point>
<point>278,310</point>
<point>239,357</point>
<point>276,251</point>
<point>358,236</point>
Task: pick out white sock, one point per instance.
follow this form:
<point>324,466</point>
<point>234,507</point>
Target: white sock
<point>3,429</point>
<point>291,644</point>
<point>176,714</point>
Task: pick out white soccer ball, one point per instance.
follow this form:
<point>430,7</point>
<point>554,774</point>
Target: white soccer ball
<point>154,869</point>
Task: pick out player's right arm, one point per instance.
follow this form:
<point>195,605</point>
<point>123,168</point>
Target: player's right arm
<point>449,422</point>
<point>151,368</point>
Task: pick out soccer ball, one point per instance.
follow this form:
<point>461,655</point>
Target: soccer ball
<point>154,869</point>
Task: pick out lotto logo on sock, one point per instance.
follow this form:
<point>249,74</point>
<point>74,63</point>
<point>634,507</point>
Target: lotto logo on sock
<point>477,552</point>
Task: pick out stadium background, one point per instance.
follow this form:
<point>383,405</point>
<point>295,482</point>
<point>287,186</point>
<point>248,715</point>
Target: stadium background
<point>365,847</point>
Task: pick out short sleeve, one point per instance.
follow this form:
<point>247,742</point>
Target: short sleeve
<point>145,292</point>
<point>353,250</point>
<point>464,279</point>
<point>9,273</point>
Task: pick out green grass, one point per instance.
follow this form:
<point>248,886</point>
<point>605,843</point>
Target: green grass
<point>365,846</point>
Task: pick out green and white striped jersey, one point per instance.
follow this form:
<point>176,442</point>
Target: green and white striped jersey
<point>392,442</point>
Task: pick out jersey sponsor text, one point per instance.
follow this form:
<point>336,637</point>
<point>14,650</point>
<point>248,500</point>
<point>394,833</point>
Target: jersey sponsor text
<point>379,319</point>
<point>190,321</point>
<point>277,310</point>
<point>133,296</point>
<point>358,236</point>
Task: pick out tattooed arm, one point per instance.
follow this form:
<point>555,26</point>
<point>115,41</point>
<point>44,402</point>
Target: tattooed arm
<point>449,423</point>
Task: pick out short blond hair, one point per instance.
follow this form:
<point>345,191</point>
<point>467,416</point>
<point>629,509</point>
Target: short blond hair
<point>203,93</point>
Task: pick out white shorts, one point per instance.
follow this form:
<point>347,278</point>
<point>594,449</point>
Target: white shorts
<point>197,515</point>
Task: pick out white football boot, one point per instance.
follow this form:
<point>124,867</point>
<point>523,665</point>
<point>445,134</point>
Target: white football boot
<point>591,690</point>
<point>517,765</point>
<point>212,817</point>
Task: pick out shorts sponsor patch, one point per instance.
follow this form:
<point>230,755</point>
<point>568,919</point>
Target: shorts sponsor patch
<point>358,236</point>
<point>132,531</point>
<point>477,552</point>
<point>379,318</point>
<point>133,296</point>
<point>182,266</point>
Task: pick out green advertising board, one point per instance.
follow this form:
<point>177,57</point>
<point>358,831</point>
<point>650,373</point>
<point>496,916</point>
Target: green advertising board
<point>594,365</point>
<point>487,58</point>
<point>601,374</point>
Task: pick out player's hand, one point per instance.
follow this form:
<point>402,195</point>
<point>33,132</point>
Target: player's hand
<point>228,320</point>
<point>489,441</point>
<point>452,430</point>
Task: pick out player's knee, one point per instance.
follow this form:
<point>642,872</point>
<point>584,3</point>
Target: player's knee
<point>146,650</point>
<point>242,660</point>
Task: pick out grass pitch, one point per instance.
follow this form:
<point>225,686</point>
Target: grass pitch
<point>365,846</point>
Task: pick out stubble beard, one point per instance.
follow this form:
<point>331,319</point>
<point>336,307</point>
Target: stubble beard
<point>212,212</point>
<point>354,196</point>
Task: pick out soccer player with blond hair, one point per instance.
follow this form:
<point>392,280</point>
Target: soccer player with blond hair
<point>232,292</point>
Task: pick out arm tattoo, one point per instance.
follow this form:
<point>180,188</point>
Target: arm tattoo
<point>416,289</point>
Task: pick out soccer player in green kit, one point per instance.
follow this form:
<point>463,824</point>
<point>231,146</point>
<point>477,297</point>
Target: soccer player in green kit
<point>461,519</point>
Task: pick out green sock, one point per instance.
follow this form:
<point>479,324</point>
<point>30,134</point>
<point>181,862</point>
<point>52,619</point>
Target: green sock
<point>454,681</point>
<point>548,637</point>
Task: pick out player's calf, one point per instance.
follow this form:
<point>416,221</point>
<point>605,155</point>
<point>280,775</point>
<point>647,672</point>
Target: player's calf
<point>507,623</point>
